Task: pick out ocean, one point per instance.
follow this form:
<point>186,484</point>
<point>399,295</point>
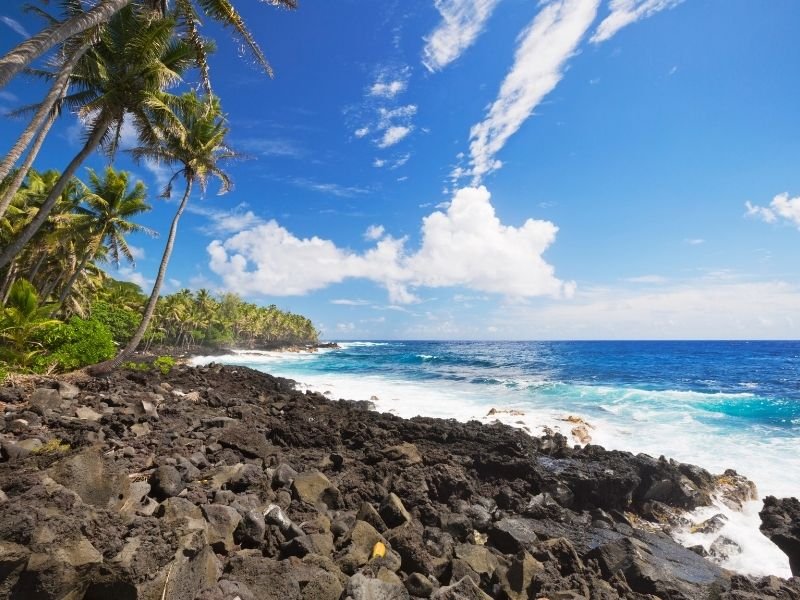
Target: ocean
<point>719,405</point>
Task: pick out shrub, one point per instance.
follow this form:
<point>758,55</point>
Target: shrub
<point>164,364</point>
<point>136,366</point>
<point>79,342</point>
<point>121,321</point>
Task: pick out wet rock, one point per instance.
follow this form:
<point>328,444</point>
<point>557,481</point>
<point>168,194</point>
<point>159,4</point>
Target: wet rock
<point>393,512</point>
<point>361,588</point>
<point>710,525</point>
<point>166,482</point>
<point>222,522</point>
<point>464,589</point>
<point>723,548</point>
<point>780,522</point>
<point>735,490</point>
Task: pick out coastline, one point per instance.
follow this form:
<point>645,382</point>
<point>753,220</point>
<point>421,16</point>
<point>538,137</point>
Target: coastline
<point>199,455</point>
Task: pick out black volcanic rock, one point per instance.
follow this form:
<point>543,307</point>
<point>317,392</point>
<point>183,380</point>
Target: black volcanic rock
<point>780,522</point>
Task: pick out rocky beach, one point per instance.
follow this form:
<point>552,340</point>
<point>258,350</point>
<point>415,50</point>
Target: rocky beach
<point>221,482</point>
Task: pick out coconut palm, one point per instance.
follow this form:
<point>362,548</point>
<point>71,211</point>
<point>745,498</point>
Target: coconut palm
<point>105,215</point>
<point>198,150</point>
<point>103,11</point>
<point>124,73</point>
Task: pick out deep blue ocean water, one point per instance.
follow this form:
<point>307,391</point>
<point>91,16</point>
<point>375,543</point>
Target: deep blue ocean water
<point>716,404</point>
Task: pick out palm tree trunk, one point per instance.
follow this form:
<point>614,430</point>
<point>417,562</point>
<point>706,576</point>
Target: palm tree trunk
<point>74,277</point>
<point>44,211</point>
<point>5,288</point>
<point>110,365</point>
<point>42,119</point>
<point>25,53</point>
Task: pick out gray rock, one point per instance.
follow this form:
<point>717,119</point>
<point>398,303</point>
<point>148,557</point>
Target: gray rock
<point>314,488</point>
<point>97,480</point>
<point>283,476</point>
<point>222,522</point>
<point>361,588</point>
<point>479,558</point>
<point>250,530</point>
<point>368,514</point>
<point>358,551</point>
<point>166,482</point>
<point>67,390</point>
<point>323,586</point>
<point>512,535</point>
<point>87,414</point>
<point>44,401</point>
<point>464,589</point>
<point>418,585</point>
<point>406,454</point>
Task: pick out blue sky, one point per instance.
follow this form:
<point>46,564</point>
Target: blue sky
<point>574,169</point>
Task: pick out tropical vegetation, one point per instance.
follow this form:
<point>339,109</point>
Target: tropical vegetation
<point>112,63</point>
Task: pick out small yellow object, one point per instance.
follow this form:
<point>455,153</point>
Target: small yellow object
<point>378,550</point>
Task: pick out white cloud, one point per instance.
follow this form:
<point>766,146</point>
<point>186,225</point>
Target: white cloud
<point>781,207</point>
<point>462,23</point>
<point>388,117</point>
<point>223,222</point>
<point>465,246</point>
<point>16,26</point>
<point>374,232</point>
<point>129,274</point>
<point>538,66</point>
<point>647,279</point>
<point>626,12</point>
<point>388,89</point>
<point>347,302</point>
<point>378,162</point>
<point>361,132</point>
<point>275,147</point>
<point>694,241</point>
<point>345,326</point>
<point>137,252</point>
<point>393,135</point>
<point>160,172</point>
<point>335,189</point>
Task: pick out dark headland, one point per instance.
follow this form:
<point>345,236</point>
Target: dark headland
<point>218,483</point>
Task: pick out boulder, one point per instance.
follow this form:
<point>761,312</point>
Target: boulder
<point>406,454</point>
<point>312,487</point>
<point>419,586</point>
<point>479,558</point>
<point>780,522</point>
<point>268,579</point>
<point>247,440</point>
<point>251,529</point>
<point>392,511</point>
<point>516,581</point>
<point>44,401</point>
<point>512,535</point>
<point>368,514</point>
<point>361,542</point>
<point>166,482</point>
<point>222,522</point>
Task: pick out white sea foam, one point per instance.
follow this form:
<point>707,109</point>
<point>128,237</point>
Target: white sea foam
<point>674,423</point>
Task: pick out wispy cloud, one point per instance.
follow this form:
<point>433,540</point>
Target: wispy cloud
<point>387,89</point>
<point>652,279</point>
<point>335,189</point>
<point>226,222</point>
<point>347,302</point>
<point>393,135</point>
<point>626,12</point>
<point>694,241</point>
<point>276,147</point>
<point>544,48</point>
<point>15,25</point>
<point>374,232</point>
<point>782,208</point>
<point>462,23</point>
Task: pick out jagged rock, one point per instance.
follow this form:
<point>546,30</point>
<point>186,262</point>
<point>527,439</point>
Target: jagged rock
<point>227,590</point>
<point>324,586</point>
<point>780,522</point>
<point>406,454</point>
<point>268,579</point>
<point>393,512</point>
<point>283,476</point>
<point>479,558</point>
<point>368,514</point>
<point>192,573</point>
<point>166,482</point>
<point>222,522</point>
<point>464,589</point>
<point>12,451</point>
<point>87,414</point>
<point>95,479</point>
<point>407,541</point>
<point>361,588</point>
<point>516,581</point>
<point>247,440</point>
<point>513,535</point>
<point>710,525</point>
<point>3,497</point>
<point>67,390</point>
<point>735,490</point>
<point>13,558</point>
<point>723,548</point>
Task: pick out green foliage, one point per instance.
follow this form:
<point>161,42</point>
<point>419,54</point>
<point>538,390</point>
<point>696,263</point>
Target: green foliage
<point>54,446</point>
<point>136,366</point>
<point>80,342</point>
<point>119,320</point>
<point>23,320</point>
<point>3,372</point>
<point>164,364</point>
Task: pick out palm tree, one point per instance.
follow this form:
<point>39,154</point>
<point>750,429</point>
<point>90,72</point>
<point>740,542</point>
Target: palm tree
<point>125,73</point>
<point>198,149</point>
<point>223,11</point>
<point>108,205</point>
<point>20,321</point>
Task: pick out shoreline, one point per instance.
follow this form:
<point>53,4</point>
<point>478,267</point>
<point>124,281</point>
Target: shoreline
<point>454,504</point>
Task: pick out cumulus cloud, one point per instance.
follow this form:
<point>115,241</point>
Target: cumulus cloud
<point>465,246</point>
<point>626,12</point>
<point>361,132</point>
<point>388,89</point>
<point>374,232</point>
<point>542,53</point>
<point>393,135</point>
<point>462,22</point>
<point>782,207</point>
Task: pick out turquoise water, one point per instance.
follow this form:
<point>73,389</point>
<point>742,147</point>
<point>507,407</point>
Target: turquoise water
<point>716,404</point>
